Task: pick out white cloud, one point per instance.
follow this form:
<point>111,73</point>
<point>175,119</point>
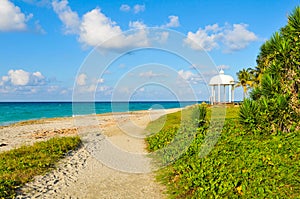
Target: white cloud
<point>150,74</point>
<point>87,85</point>
<point>231,38</point>
<point>69,18</point>
<point>23,78</point>
<point>203,39</point>
<point>11,17</point>
<point>125,8</point>
<point>37,79</point>
<point>138,8</point>
<point>238,37</point>
<point>95,28</point>
<point>173,23</point>
<point>81,79</point>
<point>189,77</point>
<point>18,77</point>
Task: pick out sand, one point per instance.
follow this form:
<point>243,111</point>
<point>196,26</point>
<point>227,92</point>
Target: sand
<point>112,163</point>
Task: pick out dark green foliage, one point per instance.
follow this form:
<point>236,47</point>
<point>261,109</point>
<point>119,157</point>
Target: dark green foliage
<point>277,96</point>
<point>249,113</point>
<point>19,166</point>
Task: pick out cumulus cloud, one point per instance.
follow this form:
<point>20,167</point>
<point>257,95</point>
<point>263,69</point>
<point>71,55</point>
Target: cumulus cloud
<point>125,8</point>
<point>23,78</point>
<point>230,37</point>
<point>173,23</point>
<point>69,18</point>
<point>189,77</point>
<point>11,17</point>
<point>18,77</point>
<point>203,39</point>
<point>22,81</point>
<point>238,37</point>
<point>138,8</point>
<point>96,28</point>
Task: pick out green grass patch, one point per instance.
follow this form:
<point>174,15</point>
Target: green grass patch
<point>19,166</point>
<point>164,129</point>
<point>241,165</point>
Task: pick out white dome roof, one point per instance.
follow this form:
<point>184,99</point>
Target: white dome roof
<point>221,79</point>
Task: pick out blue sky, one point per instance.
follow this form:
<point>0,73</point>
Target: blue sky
<point>47,46</point>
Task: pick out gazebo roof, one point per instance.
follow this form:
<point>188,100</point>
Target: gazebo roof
<point>221,79</point>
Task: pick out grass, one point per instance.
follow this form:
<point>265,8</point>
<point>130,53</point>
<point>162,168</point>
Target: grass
<point>169,124</point>
<point>241,165</point>
<point>19,166</point>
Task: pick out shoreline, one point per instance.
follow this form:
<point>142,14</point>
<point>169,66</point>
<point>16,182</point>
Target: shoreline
<point>29,131</point>
<point>40,120</point>
<point>16,112</point>
<point>81,174</point>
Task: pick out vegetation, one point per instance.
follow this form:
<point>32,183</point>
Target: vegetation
<point>19,166</point>
<point>241,165</point>
<point>257,154</point>
<point>245,80</point>
<point>276,98</point>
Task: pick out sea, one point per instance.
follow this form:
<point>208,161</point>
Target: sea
<point>13,112</point>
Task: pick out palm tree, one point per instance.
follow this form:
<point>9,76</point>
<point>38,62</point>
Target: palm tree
<point>245,77</point>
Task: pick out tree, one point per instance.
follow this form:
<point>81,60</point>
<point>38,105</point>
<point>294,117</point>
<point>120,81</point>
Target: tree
<point>277,94</point>
<point>245,77</point>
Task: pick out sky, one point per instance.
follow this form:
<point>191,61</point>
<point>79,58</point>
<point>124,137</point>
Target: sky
<point>63,50</point>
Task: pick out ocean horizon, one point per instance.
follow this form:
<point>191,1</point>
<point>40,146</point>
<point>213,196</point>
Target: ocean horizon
<point>13,112</point>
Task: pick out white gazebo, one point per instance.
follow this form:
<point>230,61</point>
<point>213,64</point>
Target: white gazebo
<point>221,81</point>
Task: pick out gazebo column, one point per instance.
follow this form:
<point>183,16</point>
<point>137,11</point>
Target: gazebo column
<point>232,93</point>
<point>212,96</point>
<point>219,93</point>
<point>224,91</point>
<point>229,93</point>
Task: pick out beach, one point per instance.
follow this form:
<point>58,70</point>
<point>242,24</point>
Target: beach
<point>82,174</point>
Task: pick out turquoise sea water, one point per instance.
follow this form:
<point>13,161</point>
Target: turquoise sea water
<point>11,112</point>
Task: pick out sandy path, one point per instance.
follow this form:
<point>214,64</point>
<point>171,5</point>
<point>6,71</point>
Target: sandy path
<point>97,169</point>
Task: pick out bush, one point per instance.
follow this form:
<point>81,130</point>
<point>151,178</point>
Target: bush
<point>248,114</point>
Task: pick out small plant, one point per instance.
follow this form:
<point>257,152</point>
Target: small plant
<point>248,114</point>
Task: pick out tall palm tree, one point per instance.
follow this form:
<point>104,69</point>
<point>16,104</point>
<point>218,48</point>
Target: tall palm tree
<point>245,79</point>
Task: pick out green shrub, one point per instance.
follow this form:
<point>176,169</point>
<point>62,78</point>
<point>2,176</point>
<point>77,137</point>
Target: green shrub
<point>248,114</point>
<point>278,75</point>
